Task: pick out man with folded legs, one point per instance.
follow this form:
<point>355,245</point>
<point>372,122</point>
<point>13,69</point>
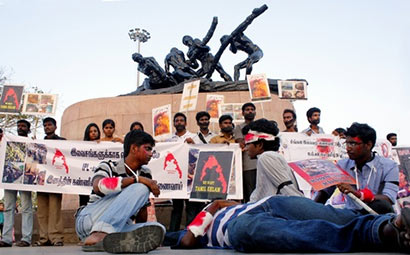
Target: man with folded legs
<point>10,198</point>
<point>119,196</point>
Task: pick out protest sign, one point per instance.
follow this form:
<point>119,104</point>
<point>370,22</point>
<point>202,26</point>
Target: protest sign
<point>234,110</point>
<point>161,122</point>
<point>258,87</point>
<point>39,104</point>
<point>212,175</point>
<point>321,173</point>
<point>292,89</point>
<point>213,106</point>
<point>189,96</point>
<point>11,98</point>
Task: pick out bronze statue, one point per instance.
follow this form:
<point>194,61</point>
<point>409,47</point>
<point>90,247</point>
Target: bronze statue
<point>157,78</point>
<point>182,71</point>
<point>243,43</point>
<point>237,32</point>
<point>198,50</point>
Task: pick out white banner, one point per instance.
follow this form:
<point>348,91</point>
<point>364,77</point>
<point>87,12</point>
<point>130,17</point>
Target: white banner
<point>60,166</point>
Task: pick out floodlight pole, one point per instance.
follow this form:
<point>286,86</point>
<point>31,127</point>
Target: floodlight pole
<point>139,35</point>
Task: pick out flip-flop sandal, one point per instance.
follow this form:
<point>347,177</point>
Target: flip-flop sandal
<point>93,248</point>
<point>140,240</point>
<point>405,216</point>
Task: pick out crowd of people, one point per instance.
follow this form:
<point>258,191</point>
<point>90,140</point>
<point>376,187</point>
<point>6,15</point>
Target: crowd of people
<point>274,215</point>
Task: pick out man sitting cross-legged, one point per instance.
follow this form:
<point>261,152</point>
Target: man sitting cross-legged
<point>294,224</point>
<point>120,192</point>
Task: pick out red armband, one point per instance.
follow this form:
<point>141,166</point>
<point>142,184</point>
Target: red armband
<point>367,195</point>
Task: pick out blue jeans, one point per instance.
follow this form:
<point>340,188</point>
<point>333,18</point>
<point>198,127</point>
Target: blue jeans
<point>10,198</point>
<point>296,224</point>
<point>111,214</point>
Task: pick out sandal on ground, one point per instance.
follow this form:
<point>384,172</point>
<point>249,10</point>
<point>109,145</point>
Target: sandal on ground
<point>38,243</point>
<point>400,233</point>
<point>93,248</point>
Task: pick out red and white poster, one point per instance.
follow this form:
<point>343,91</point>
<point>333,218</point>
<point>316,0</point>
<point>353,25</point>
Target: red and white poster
<point>10,101</point>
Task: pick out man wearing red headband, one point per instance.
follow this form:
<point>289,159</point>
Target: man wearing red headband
<point>274,176</point>
<point>377,178</point>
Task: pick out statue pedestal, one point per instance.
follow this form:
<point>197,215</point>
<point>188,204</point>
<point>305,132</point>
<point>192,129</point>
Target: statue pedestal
<point>126,109</point>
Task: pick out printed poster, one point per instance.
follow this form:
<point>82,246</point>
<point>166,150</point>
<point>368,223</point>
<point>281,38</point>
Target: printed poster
<point>213,103</point>
<point>292,89</point>
<point>403,154</point>
<point>234,110</point>
<point>212,175</point>
<point>39,104</point>
<point>321,173</point>
<point>161,122</point>
<point>11,99</point>
<point>189,97</point>
<point>258,87</point>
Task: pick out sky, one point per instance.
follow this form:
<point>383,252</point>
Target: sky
<point>355,55</point>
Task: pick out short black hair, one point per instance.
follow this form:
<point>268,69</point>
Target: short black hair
<point>87,132</point>
<point>138,138</point>
<point>248,104</point>
<point>363,131</point>
<point>179,114</point>
<point>312,110</point>
<point>25,122</point>
<point>136,123</point>
<point>49,119</point>
<point>340,130</point>
<point>1,130</point>
<point>202,114</point>
<point>390,135</point>
<point>108,121</point>
<point>290,111</point>
<point>225,117</point>
<point>265,126</point>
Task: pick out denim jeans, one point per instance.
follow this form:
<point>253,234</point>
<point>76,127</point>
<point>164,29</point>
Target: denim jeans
<point>111,214</point>
<point>295,224</point>
<point>10,198</point>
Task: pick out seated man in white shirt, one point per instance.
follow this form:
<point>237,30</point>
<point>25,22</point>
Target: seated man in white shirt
<point>273,175</point>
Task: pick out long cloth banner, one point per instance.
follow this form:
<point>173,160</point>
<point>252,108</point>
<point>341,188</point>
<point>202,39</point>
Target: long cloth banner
<point>67,166</point>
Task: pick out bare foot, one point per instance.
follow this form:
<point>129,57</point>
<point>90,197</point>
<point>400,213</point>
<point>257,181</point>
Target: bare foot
<point>94,238</point>
<point>396,233</point>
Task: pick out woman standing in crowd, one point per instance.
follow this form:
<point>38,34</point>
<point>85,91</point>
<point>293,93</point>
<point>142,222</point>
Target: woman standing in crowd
<point>91,133</point>
<point>137,126</point>
<point>109,129</point>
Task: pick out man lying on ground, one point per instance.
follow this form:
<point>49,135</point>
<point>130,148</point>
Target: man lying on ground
<point>294,224</point>
<point>120,191</point>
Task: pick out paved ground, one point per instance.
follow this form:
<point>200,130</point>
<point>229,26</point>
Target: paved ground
<point>77,250</point>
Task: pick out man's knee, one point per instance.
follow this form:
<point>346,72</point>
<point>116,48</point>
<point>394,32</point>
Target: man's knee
<point>137,189</point>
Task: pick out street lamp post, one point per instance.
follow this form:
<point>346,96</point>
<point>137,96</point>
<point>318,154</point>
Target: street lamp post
<point>139,35</point>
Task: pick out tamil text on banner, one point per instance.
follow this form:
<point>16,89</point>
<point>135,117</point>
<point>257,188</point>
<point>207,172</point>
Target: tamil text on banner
<point>39,104</point>
<point>56,166</point>
<point>11,99</point>
<point>64,166</point>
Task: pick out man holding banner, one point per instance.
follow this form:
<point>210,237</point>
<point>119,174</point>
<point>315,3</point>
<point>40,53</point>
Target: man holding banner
<point>377,178</point>
<point>10,198</point>
<point>120,191</point>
